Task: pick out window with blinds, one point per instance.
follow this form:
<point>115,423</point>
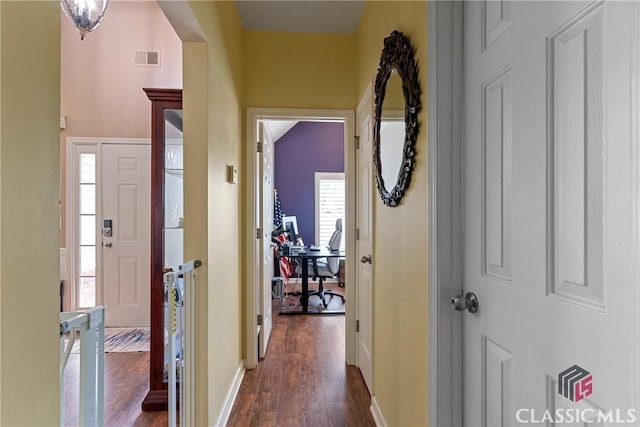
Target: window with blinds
<point>330,205</point>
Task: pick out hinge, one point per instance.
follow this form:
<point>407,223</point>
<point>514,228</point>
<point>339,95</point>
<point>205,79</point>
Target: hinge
<point>357,234</point>
<point>357,139</point>
<point>357,326</point>
<point>259,320</point>
<point>259,146</point>
<point>258,233</point>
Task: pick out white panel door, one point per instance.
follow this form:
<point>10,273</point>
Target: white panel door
<point>364,243</point>
<point>265,166</point>
<point>126,196</point>
<point>551,212</point>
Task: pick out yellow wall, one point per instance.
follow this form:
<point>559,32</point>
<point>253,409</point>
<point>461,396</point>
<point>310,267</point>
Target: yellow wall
<point>219,98</point>
<point>194,105</point>
<point>29,214</point>
<point>299,70</point>
<point>401,327</point>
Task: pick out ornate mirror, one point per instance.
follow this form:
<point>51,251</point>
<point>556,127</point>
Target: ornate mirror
<point>395,128</point>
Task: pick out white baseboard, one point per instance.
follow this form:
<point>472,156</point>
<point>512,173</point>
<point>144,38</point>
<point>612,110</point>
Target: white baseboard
<point>223,418</point>
<point>377,413</point>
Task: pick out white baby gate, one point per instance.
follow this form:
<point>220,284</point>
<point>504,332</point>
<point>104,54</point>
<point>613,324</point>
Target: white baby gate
<point>180,324</point>
<point>89,324</point>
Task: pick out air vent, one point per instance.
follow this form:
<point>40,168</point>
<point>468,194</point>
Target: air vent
<point>147,59</point>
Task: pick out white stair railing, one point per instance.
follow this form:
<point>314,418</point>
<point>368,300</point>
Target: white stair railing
<point>180,322</point>
<point>89,324</point>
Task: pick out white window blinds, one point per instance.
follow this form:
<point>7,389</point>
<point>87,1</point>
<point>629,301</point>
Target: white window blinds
<point>330,205</point>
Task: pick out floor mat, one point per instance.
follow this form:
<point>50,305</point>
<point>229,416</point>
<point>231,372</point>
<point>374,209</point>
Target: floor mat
<point>291,303</point>
<point>121,340</point>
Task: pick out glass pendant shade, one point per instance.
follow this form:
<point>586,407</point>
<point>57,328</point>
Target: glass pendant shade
<point>86,15</point>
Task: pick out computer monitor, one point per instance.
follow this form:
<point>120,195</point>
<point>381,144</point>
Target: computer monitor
<point>290,225</point>
<point>290,228</point>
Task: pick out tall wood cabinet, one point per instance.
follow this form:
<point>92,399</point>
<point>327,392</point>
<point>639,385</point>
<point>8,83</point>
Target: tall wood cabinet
<point>166,225</point>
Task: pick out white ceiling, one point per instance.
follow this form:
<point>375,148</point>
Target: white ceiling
<point>307,16</point>
<point>275,129</point>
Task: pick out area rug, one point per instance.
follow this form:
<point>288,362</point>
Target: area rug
<point>291,303</point>
<point>122,340</point>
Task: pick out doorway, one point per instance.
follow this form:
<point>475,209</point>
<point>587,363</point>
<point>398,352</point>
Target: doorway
<point>256,292</point>
<point>108,226</point>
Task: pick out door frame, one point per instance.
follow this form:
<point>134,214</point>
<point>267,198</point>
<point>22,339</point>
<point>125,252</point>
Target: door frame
<point>71,210</point>
<point>251,249</point>
<point>445,96</point>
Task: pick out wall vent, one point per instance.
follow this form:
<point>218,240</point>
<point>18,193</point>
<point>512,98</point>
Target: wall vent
<point>147,59</point>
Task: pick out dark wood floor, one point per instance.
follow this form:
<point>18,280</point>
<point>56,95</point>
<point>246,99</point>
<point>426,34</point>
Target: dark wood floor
<point>303,380</point>
<point>126,384</point>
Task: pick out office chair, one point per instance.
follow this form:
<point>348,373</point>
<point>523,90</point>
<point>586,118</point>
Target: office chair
<point>326,269</point>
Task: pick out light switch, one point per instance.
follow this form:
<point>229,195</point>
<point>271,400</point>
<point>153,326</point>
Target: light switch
<point>232,174</point>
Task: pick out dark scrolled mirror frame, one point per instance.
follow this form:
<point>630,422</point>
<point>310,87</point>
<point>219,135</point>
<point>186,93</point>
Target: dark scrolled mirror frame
<point>398,55</point>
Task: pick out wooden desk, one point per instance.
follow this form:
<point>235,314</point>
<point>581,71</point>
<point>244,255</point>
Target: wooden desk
<point>304,255</point>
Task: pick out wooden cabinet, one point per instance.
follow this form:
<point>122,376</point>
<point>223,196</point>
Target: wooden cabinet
<point>166,225</point>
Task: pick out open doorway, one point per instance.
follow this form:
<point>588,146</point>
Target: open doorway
<point>105,134</point>
<point>294,170</point>
<point>310,205</point>
<point>98,114</point>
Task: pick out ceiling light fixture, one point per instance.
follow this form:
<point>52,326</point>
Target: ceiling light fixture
<point>86,15</point>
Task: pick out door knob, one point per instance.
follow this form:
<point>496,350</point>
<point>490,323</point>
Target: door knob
<point>107,244</point>
<point>466,302</point>
<point>366,259</point>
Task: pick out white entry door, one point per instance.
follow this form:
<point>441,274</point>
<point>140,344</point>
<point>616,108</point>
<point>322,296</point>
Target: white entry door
<point>126,196</point>
<point>265,219</point>
<point>551,213</point>
<point>364,242</point>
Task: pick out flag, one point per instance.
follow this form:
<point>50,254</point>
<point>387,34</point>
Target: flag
<point>277,210</point>
<point>286,266</point>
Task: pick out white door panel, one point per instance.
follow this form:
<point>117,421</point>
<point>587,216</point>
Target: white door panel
<point>126,172</point>
<point>265,203</point>
<point>550,206</point>
<point>364,244</point>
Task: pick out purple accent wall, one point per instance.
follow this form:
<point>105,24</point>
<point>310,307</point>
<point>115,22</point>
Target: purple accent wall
<point>307,148</point>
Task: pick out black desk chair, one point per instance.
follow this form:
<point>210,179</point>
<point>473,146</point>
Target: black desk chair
<point>326,269</point>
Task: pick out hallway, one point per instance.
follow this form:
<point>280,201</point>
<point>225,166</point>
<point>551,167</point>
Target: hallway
<point>303,380</point>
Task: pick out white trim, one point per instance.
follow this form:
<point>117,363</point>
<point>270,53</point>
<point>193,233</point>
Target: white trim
<point>253,115</point>
<point>63,263</point>
<point>445,218</point>
<point>93,140</point>
<point>378,418</point>
<point>635,134</point>
<point>75,146</point>
<point>63,277</point>
<point>225,412</point>
<point>432,149</point>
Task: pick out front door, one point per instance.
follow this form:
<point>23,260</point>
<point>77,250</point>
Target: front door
<point>126,195</point>
<point>551,212</point>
